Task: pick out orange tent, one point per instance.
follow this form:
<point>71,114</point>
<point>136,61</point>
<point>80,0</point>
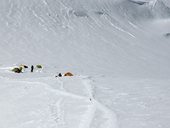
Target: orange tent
<point>68,74</point>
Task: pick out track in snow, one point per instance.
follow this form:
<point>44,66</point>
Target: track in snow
<point>76,92</point>
<point>95,105</point>
<point>92,107</point>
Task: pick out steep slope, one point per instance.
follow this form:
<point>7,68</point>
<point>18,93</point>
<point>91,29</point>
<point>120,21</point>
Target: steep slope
<point>144,10</point>
<point>93,36</point>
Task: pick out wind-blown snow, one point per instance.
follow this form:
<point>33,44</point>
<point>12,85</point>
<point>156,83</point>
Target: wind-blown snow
<point>122,45</point>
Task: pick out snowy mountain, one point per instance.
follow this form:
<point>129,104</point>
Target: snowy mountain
<point>144,10</point>
<point>48,32</point>
<point>118,51</point>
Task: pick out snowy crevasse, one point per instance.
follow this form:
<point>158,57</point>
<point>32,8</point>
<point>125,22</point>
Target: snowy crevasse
<point>93,36</point>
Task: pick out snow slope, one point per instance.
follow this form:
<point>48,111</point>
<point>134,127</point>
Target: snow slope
<point>118,50</point>
<point>93,36</point>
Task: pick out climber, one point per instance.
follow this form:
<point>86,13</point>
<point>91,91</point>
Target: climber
<point>32,68</point>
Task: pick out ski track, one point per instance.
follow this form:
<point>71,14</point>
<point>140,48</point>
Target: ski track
<point>92,107</point>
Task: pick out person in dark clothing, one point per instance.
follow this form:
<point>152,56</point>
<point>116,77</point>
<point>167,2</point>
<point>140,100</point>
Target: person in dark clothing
<point>59,75</point>
<point>32,68</point>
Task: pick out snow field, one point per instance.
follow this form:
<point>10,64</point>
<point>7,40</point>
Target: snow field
<point>30,103</point>
<point>138,103</point>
